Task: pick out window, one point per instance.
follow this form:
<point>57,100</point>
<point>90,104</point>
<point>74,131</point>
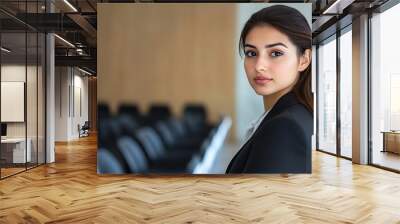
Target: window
<point>385,89</point>
<point>346,92</point>
<point>326,95</point>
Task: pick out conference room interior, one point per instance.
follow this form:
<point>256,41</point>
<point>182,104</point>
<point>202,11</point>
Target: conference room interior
<point>196,118</point>
<point>25,49</point>
<point>54,96</point>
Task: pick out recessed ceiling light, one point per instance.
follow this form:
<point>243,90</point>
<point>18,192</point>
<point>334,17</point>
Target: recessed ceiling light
<point>70,5</point>
<point>338,6</point>
<point>64,40</point>
<point>5,49</point>
<point>84,71</point>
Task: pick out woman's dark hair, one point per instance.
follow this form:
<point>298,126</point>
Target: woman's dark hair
<point>292,23</point>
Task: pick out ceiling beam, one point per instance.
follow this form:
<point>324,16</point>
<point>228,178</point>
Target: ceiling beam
<point>84,61</point>
<point>86,26</point>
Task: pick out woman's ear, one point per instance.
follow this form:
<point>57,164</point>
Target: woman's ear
<point>305,60</point>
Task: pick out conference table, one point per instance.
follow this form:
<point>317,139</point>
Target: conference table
<point>391,141</point>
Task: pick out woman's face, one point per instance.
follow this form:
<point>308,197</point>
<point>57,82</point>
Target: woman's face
<point>271,62</point>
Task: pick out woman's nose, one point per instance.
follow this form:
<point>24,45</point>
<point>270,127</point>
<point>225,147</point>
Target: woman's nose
<point>261,64</point>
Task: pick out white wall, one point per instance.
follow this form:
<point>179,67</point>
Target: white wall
<point>61,82</point>
<point>249,106</point>
<point>80,84</point>
<point>69,84</point>
<point>15,72</point>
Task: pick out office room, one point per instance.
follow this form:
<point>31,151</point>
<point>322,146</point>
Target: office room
<point>160,112</point>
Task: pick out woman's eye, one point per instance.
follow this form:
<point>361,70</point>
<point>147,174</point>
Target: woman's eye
<point>276,54</point>
<point>250,53</point>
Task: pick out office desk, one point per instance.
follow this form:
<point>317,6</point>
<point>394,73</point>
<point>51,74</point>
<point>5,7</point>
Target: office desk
<point>391,141</point>
<point>13,150</point>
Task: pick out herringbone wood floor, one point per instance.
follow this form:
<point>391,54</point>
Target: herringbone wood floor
<point>70,191</point>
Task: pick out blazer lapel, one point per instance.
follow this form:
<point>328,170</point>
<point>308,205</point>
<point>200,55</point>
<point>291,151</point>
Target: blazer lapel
<point>284,102</point>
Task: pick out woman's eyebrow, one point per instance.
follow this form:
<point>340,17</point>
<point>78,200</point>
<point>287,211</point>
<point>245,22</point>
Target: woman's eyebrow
<point>275,44</point>
<point>268,45</point>
<point>249,45</point>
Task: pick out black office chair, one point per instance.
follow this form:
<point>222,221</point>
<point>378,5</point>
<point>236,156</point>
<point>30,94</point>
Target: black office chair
<point>133,155</point>
<point>103,111</point>
<point>166,135</point>
<point>107,163</point>
<point>158,155</point>
<point>180,131</point>
<point>195,117</point>
<point>172,141</point>
<point>137,162</point>
<point>108,133</point>
<point>133,111</point>
<point>124,150</point>
<point>83,130</point>
<point>178,128</point>
<point>158,112</point>
<point>128,124</point>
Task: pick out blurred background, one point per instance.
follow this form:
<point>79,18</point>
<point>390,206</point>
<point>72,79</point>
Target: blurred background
<point>172,93</point>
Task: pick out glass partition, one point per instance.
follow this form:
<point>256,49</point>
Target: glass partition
<point>31,100</point>
<point>23,91</point>
<point>327,95</point>
<point>41,91</point>
<point>13,110</point>
<point>346,92</point>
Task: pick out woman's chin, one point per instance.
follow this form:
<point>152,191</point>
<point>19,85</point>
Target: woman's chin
<point>262,91</point>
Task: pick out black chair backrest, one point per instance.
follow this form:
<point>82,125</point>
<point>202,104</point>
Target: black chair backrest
<point>129,109</point>
<point>151,143</point>
<point>115,128</point>
<point>103,111</point>
<point>159,112</point>
<point>195,109</point>
<point>133,154</point>
<point>104,133</point>
<point>108,134</point>
<point>107,163</point>
<point>177,127</point>
<point>165,133</point>
<point>195,117</point>
<point>128,124</point>
<point>86,125</point>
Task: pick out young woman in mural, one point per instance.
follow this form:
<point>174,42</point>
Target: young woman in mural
<point>276,42</point>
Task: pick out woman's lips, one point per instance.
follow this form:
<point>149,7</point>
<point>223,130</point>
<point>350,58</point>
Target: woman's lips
<point>262,80</point>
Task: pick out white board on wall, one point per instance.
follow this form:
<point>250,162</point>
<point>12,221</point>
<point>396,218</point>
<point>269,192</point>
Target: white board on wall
<point>12,101</point>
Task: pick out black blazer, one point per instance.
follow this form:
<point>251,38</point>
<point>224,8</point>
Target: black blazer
<point>281,143</point>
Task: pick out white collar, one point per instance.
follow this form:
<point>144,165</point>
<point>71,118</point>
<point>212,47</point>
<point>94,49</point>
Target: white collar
<point>254,125</point>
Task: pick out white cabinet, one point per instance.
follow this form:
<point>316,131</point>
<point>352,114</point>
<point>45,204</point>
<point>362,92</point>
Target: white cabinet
<point>17,146</point>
